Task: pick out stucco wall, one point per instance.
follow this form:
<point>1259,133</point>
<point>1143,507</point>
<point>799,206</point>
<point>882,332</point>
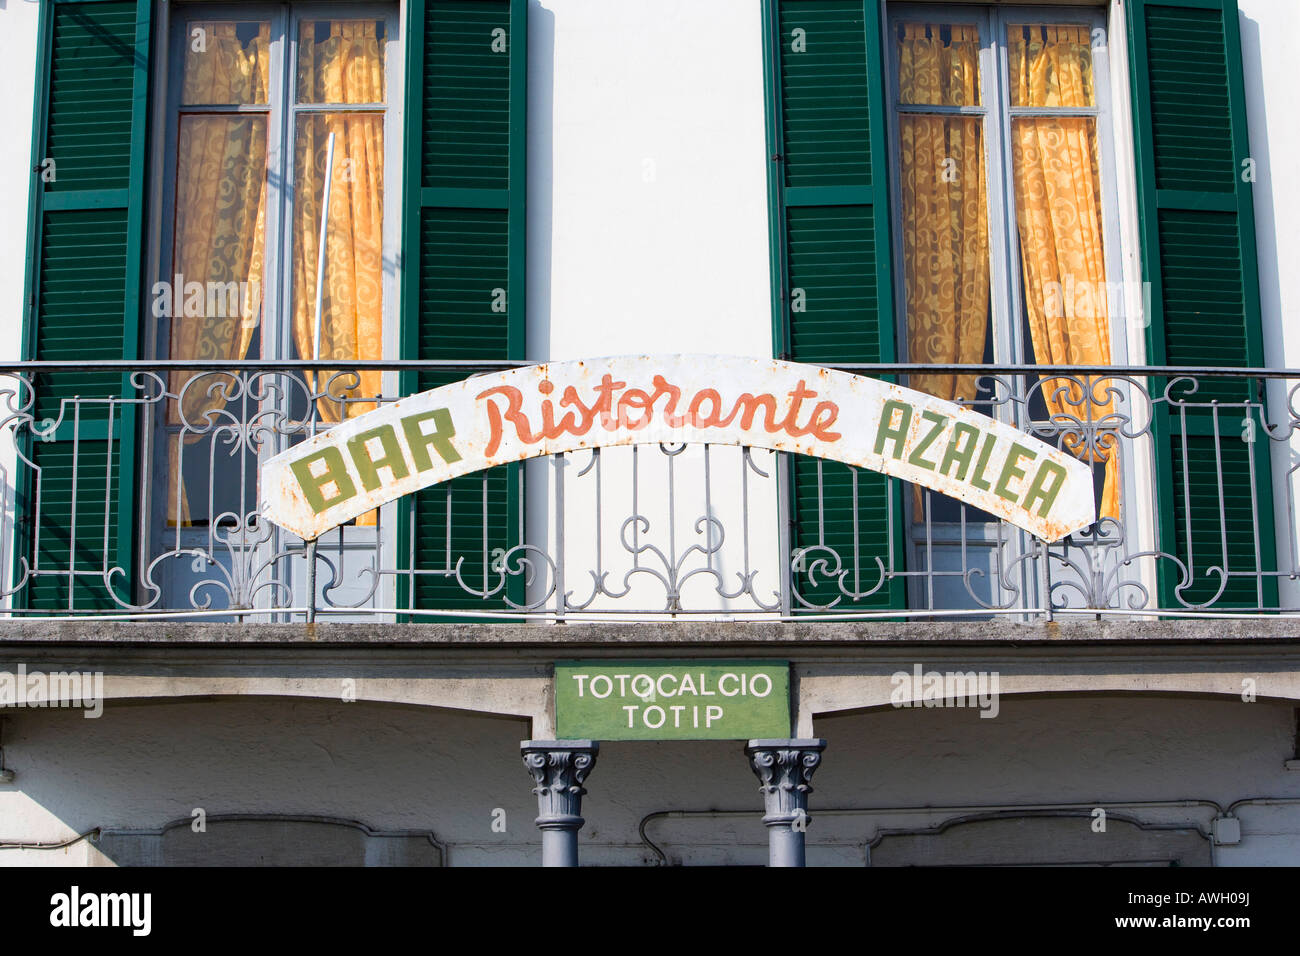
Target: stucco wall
<point>647,229</point>
<point>141,765</point>
<point>1268,31</point>
<point>647,232</point>
<point>647,224</point>
<point>17,79</point>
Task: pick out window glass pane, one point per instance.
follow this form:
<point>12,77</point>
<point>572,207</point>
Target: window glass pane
<point>1066,296</point>
<point>945,218</point>
<point>1058,217</point>
<point>216,279</point>
<point>945,256</point>
<point>222,185</point>
<point>945,247</point>
<point>351,287</point>
<point>215,300</point>
<point>938,64</point>
<point>220,235</point>
<point>341,61</point>
<point>216,465</point>
<point>1050,65</point>
<point>226,62</point>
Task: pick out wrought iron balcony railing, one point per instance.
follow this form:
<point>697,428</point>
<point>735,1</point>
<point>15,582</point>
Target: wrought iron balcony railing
<point>130,490</point>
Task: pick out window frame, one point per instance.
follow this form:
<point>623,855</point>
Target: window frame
<point>1008,332</point>
<point>275,333</point>
<point>285,20</point>
<point>1009,341</point>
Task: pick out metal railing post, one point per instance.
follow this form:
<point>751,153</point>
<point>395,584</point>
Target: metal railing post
<point>560,601</point>
<point>311,580</point>
<point>784,542</point>
<point>1044,579</point>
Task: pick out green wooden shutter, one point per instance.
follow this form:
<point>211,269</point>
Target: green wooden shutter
<point>83,305</point>
<point>1198,253</point>
<point>832,295</point>
<point>463,293</point>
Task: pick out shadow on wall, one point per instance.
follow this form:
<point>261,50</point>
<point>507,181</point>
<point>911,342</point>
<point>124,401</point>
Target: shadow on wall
<point>1042,839</point>
<point>1270,294</point>
<point>1270,282</point>
<point>268,839</point>
<point>267,781</point>
<point>540,143</point>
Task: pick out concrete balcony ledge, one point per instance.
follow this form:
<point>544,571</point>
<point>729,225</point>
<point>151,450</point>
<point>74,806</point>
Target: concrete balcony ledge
<point>507,669</point>
<point>677,635</point>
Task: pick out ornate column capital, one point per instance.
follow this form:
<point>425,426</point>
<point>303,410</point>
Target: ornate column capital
<point>784,769</point>
<point>559,768</point>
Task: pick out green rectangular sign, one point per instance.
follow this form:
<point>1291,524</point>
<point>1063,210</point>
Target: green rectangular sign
<point>672,700</point>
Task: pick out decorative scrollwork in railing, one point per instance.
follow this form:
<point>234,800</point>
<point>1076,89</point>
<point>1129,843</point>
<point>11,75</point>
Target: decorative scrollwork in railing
<point>141,497</point>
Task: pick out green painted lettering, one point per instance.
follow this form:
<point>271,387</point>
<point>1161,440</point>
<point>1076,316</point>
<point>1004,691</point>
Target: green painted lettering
<point>1040,490</point>
<point>887,430</point>
<point>1012,470</point>
<point>391,457</point>
<point>961,448</point>
<point>977,477</point>
<point>313,485</point>
<point>439,439</point>
<point>937,423</point>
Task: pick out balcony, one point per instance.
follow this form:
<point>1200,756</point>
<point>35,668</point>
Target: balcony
<point>130,492</point>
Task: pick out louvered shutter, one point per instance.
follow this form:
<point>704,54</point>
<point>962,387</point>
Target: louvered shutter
<point>464,291</point>
<point>830,239</point>
<point>1198,253</point>
<point>86,230</point>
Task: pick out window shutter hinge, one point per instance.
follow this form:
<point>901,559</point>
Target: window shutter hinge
<point>777,158</point>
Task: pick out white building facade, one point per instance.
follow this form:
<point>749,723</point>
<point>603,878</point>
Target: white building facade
<point>235,226</point>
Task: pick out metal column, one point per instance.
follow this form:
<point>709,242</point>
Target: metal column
<point>559,768</point>
<point>784,769</point>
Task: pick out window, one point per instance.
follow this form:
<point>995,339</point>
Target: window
<point>281,246</point>
<point>1004,196</point>
<point>279,126</point>
<point>127,495</point>
<point>919,156</point>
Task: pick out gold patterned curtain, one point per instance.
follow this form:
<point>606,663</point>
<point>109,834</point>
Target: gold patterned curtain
<point>220,222</point>
<point>344,68</point>
<point>945,209</point>
<point>945,213</point>
<point>1058,212</point>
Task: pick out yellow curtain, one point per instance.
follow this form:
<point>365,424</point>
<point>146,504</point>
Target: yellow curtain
<point>945,212</point>
<point>1058,212</point>
<point>343,69</point>
<point>220,224</point>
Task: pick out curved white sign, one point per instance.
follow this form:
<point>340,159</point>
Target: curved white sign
<point>521,413</point>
